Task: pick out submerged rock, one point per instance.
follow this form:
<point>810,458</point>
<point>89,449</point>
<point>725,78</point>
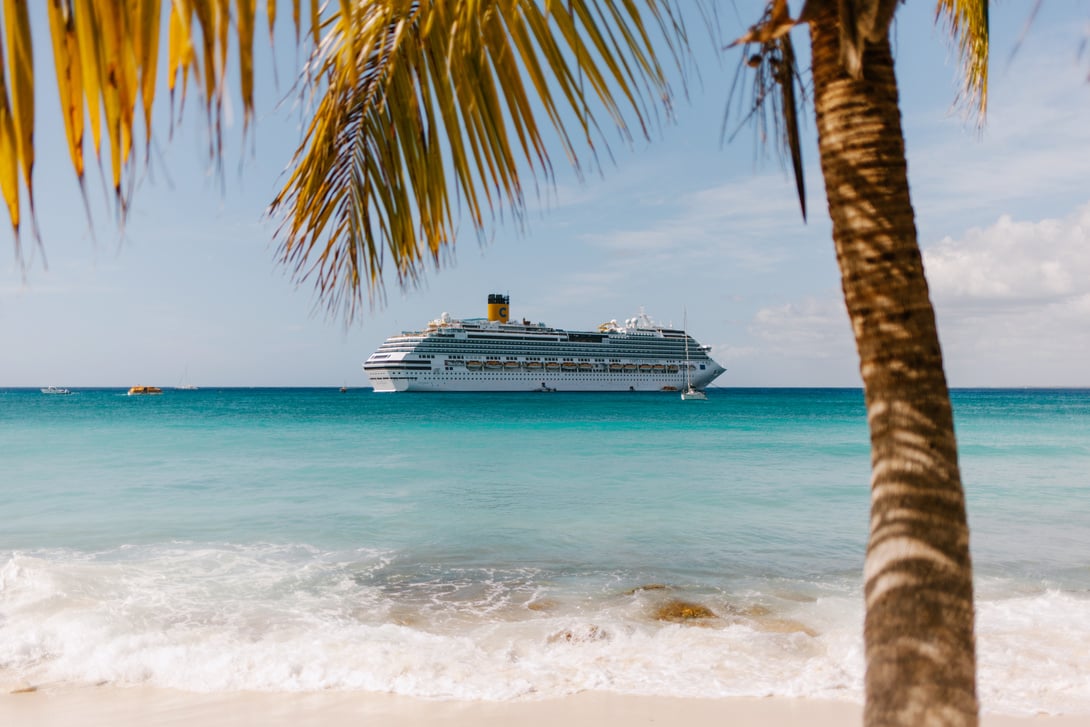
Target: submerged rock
<point>683,611</point>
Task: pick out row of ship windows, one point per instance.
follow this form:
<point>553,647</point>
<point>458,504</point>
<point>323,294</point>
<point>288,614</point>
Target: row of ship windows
<point>553,372</point>
<point>558,355</point>
<point>653,344</point>
<point>536,377</point>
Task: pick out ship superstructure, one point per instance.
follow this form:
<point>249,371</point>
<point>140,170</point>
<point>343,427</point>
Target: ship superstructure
<point>498,354</point>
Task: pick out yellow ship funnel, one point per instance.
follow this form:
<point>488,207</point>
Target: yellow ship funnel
<point>498,307</point>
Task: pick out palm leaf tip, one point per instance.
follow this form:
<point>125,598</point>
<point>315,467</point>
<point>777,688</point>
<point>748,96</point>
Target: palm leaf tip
<point>968,23</point>
<point>774,68</point>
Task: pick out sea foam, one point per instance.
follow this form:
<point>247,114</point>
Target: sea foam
<point>229,618</point>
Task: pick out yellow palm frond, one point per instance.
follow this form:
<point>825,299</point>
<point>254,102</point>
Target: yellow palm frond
<point>146,51</point>
<point>116,79</point>
<point>247,11</point>
<point>429,103</point>
<point>67,61</point>
<point>181,56</point>
<point>20,61</point>
<point>428,109</point>
<point>9,154</point>
<point>968,22</point>
<point>107,58</point>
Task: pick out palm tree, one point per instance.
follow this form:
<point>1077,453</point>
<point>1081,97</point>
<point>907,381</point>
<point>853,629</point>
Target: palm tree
<point>419,98</point>
<point>918,633</point>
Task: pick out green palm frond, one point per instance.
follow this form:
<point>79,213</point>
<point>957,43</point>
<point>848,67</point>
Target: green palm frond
<point>427,104</point>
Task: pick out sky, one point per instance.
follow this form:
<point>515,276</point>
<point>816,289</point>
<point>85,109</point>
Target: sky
<point>688,226</point>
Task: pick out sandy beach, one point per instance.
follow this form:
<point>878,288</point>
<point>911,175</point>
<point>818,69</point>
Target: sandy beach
<point>139,707</point>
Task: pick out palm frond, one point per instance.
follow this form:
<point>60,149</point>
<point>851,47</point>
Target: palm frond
<point>428,109</point>
<point>968,23</point>
<point>428,104</point>
<point>776,89</point>
<point>16,110</point>
<point>107,57</point>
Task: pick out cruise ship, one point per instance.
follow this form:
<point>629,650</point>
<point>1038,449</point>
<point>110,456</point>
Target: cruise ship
<point>500,354</point>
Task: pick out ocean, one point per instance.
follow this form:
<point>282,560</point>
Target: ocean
<point>514,546</point>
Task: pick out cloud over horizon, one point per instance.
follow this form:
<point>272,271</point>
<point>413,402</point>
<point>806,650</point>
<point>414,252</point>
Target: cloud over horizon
<point>1012,301</point>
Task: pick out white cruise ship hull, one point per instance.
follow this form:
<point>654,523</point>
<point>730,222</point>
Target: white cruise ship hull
<point>525,380</point>
<point>497,355</point>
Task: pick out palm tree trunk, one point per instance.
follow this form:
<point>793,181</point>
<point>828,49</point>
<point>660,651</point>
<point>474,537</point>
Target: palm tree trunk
<point>918,633</point>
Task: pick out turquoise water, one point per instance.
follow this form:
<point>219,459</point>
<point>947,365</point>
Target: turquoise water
<point>502,546</point>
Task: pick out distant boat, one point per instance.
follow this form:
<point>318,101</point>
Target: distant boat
<point>137,390</point>
<point>691,393</point>
<point>55,390</point>
<point>344,389</point>
<point>184,384</point>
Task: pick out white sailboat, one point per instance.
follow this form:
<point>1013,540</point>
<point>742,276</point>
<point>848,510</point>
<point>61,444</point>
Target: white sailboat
<point>184,384</point>
<point>690,393</point>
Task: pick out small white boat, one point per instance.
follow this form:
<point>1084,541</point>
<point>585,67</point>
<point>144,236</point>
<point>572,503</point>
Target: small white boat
<point>184,384</point>
<point>55,390</point>
<point>692,394</point>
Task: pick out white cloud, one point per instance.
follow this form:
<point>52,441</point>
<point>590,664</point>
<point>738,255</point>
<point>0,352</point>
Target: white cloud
<point>812,328</point>
<point>1013,301</point>
<point>1013,263</point>
<point>803,343</point>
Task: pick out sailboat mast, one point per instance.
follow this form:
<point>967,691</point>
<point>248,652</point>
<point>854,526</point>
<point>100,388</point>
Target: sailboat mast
<point>685,330</point>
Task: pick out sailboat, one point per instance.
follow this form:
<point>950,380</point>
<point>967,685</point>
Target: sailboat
<point>690,393</point>
<point>184,384</point>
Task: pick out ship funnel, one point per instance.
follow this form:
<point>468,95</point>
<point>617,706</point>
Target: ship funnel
<point>498,307</point>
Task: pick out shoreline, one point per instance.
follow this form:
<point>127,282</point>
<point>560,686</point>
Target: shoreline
<point>140,706</point>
